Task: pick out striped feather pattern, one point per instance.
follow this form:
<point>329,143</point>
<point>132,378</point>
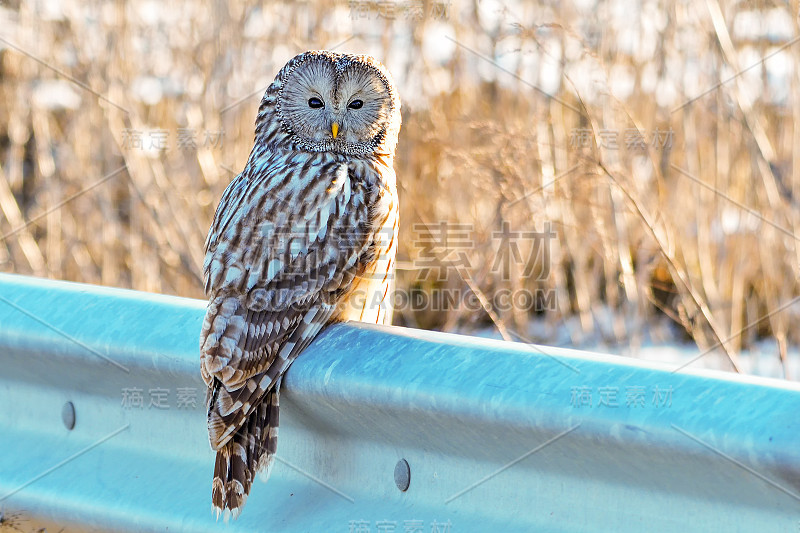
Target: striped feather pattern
<point>304,236</point>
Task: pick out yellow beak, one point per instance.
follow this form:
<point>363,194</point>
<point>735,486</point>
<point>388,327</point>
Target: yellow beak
<point>335,129</point>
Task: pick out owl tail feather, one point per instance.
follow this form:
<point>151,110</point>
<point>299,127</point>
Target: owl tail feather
<point>252,449</point>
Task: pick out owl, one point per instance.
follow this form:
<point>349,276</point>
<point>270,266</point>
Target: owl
<point>305,236</point>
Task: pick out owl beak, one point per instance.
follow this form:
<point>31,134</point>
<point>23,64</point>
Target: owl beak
<point>335,129</point>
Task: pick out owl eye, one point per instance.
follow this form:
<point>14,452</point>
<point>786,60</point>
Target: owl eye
<point>315,103</point>
<point>356,104</point>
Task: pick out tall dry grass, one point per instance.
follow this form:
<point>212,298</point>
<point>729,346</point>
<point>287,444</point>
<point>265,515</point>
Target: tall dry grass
<point>121,123</point>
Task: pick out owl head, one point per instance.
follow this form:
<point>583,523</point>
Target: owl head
<point>330,102</point>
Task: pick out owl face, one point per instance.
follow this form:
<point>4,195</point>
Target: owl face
<point>338,102</point>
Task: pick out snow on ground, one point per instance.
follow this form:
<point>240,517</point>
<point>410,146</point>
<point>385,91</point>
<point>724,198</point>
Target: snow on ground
<point>662,342</point>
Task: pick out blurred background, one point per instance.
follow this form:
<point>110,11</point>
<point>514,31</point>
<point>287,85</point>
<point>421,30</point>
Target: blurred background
<point>608,175</point>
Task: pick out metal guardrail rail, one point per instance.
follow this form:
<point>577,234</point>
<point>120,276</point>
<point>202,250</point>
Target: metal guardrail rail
<point>496,436</point>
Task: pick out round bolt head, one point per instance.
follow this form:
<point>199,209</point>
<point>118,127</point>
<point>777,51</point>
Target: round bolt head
<point>402,475</point>
<point>68,415</point>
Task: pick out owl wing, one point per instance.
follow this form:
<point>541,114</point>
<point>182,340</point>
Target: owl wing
<point>285,244</point>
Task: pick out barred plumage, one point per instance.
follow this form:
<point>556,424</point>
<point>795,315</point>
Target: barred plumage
<point>304,236</point>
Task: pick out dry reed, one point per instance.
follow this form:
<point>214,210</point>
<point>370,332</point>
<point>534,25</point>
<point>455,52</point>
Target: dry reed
<point>121,123</point>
